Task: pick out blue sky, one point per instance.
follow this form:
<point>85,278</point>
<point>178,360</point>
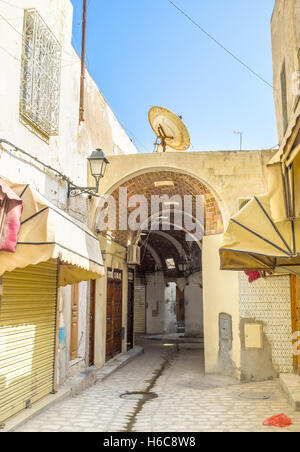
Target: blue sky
<point>143,53</point>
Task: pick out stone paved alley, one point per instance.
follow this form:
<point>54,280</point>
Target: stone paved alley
<point>187,400</point>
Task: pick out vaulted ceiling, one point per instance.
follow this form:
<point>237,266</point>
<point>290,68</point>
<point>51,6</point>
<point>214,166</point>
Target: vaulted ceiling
<point>157,246</point>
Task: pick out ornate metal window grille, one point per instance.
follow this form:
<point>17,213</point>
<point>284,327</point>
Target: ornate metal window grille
<point>40,79</point>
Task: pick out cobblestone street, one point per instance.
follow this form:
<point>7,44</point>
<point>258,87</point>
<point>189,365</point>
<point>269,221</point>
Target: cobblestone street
<point>187,401</point>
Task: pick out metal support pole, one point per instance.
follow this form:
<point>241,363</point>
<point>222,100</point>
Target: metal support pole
<point>241,138</point>
<point>83,50</point>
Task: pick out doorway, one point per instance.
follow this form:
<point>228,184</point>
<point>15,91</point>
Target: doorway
<point>74,321</point>
<point>130,310</point>
<point>114,313</point>
<point>92,323</point>
<point>180,311</point>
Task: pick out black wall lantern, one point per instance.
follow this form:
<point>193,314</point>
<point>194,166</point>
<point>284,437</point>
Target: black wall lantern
<point>98,163</point>
<point>182,265</point>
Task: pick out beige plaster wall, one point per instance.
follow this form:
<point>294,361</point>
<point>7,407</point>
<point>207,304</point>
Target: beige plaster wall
<point>66,152</point>
<point>285,29</point>
<point>228,174</point>
<point>221,295</point>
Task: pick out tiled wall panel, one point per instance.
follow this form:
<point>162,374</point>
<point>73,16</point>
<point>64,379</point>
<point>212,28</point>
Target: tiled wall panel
<point>268,300</point>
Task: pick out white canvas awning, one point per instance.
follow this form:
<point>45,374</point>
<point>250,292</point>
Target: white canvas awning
<point>49,233</point>
<point>253,241</point>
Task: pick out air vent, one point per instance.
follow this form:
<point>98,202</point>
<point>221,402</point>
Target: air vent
<point>133,255</point>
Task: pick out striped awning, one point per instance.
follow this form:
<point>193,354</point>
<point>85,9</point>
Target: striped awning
<point>253,241</point>
<point>265,234</point>
<point>49,233</point>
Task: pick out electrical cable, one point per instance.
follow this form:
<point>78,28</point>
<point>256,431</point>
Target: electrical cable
<point>49,167</point>
<point>11,4</point>
<point>69,63</point>
<point>245,65</point>
<point>132,134</point>
<point>17,149</point>
<point>8,23</point>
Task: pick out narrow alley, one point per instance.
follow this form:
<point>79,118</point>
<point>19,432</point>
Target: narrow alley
<point>177,397</point>
<point>149,218</point>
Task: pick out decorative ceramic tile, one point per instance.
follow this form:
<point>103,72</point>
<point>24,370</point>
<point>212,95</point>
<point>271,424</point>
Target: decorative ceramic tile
<point>268,300</point>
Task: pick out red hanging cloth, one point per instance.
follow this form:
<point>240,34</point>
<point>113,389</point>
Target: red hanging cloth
<point>253,276</point>
<point>11,207</point>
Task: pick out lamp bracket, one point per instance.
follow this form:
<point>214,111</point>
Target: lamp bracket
<point>74,190</point>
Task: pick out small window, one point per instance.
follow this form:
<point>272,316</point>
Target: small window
<point>40,77</point>
<point>284,99</point>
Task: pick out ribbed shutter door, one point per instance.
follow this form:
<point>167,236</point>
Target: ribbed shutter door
<point>27,336</point>
<point>140,309</point>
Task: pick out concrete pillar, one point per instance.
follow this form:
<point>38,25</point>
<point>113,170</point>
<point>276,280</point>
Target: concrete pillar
<point>193,295</point>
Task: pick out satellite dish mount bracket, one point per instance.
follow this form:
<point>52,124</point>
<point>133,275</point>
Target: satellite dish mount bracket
<point>162,137</point>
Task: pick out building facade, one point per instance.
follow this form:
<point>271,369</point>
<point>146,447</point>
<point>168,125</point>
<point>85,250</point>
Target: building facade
<point>44,147</point>
<point>72,301</point>
<point>207,300</point>
<point>269,306</point>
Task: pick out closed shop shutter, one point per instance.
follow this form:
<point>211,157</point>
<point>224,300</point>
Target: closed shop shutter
<point>27,336</point>
<point>140,309</point>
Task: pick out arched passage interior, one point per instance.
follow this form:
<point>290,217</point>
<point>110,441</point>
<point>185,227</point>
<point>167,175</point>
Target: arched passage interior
<point>168,255</point>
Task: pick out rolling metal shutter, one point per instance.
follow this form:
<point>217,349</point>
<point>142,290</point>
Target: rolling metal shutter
<point>27,336</point>
<point>140,309</point>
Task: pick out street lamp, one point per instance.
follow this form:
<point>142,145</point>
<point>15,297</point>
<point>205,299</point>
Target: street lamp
<point>98,163</point>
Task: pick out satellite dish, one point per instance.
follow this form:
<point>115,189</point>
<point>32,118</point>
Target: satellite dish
<point>169,129</point>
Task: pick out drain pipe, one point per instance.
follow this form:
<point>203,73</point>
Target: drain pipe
<point>83,50</point>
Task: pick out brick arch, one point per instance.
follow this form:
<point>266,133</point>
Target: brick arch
<point>173,170</point>
<point>184,184</point>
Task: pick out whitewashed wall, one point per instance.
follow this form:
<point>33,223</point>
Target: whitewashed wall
<point>66,152</point>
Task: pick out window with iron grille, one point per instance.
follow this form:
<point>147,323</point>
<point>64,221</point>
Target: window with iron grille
<point>40,78</point>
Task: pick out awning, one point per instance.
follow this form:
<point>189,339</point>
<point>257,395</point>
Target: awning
<point>265,234</point>
<point>49,233</point>
<point>253,241</point>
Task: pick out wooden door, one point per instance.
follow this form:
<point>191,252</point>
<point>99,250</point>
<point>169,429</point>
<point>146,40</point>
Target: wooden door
<point>130,310</point>
<point>114,314</point>
<point>140,309</point>
<point>180,314</point>
<point>295,299</point>
<point>74,322</point>
<point>117,312</point>
<point>92,323</point>
<point>109,319</point>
